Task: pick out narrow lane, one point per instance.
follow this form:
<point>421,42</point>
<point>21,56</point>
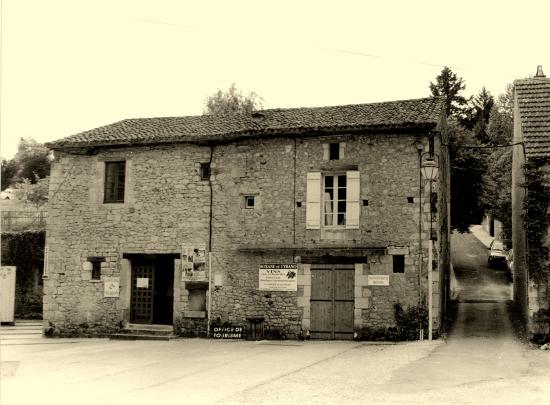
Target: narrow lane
<point>481,346</point>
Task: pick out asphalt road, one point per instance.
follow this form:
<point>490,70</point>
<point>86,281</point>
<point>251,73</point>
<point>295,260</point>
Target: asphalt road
<point>481,362</point>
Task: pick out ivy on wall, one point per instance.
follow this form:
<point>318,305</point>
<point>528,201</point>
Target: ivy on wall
<point>24,249</point>
<point>536,218</point>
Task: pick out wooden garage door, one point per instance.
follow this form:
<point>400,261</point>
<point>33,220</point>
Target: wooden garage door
<point>332,301</point>
<point>143,284</point>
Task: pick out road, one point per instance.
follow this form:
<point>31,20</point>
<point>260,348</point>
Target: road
<point>481,362</point>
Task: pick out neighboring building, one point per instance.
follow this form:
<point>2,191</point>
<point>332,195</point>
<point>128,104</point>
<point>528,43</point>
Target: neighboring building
<point>532,136</point>
<point>330,193</point>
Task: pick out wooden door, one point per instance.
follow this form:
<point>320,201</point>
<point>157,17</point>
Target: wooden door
<point>141,309</point>
<point>332,301</point>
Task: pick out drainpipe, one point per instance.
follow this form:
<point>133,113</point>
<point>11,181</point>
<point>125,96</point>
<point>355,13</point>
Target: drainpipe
<point>420,147</point>
<point>209,309</point>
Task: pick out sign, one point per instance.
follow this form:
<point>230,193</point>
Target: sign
<point>278,277</point>
<point>111,287</point>
<point>227,332</point>
<point>142,282</point>
<point>378,280</point>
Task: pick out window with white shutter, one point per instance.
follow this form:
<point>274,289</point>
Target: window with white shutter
<point>352,201</point>
<point>313,201</point>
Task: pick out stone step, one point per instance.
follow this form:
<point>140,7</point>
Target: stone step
<point>35,331</point>
<point>20,336</point>
<point>20,327</point>
<point>132,336</point>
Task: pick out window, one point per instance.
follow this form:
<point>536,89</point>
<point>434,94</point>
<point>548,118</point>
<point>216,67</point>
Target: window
<point>249,201</point>
<point>334,200</point>
<point>334,151</point>
<point>398,263</point>
<point>96,267</point>
<point>115,173</point>
<point>205,171</point>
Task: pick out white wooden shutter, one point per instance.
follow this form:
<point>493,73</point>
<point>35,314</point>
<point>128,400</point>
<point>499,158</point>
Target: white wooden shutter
<point>325,151</point>
<point>313,201</point>
<point>352,202</point>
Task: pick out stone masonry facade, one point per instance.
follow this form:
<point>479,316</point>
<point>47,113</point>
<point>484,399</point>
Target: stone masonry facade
<point>167,205</point>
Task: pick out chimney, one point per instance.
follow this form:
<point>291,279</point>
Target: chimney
<point>539,72</point>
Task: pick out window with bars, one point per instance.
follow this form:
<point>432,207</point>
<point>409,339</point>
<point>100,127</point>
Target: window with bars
<point>115,174</point>
<point>334,200</point>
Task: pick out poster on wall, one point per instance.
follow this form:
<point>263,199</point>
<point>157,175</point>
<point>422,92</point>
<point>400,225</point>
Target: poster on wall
<point>278,277</point>
<point>111,287</point>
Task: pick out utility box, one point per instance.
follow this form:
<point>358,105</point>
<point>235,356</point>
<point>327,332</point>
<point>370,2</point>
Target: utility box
<point>7,294</point>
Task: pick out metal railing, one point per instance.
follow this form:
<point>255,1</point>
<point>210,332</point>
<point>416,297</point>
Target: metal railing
<point>23,220</point>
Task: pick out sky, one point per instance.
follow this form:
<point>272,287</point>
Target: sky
<point>71,65</point>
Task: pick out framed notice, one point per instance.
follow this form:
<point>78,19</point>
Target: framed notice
<point>142,282</point>
<point>278,277</point>
<point>378,279</point>
<point>111,287</point>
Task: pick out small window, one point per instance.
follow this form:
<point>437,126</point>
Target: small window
<point>205,171</point>
<point>96,267</point>
<point>398,263</point>
<point>249,201</point>
<point>115,173</point>
<point>334,151</point>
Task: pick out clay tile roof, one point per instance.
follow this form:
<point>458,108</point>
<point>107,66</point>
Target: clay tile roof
<point>533,98</point>
<point>418,113</point>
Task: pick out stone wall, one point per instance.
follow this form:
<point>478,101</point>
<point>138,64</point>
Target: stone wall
<point>167,205</point>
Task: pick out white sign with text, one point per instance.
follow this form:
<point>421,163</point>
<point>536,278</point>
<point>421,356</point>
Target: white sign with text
<point>278,277</point>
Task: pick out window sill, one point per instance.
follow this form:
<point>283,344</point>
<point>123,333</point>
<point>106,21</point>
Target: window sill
<point>95,281</point>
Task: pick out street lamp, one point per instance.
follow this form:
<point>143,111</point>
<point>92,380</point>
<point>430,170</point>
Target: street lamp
<point>429,169</point>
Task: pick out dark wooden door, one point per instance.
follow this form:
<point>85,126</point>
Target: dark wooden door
<point>332,301</point>
<point>141,309</point>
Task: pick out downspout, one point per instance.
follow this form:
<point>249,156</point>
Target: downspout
<point>209,317</point>
<point>420,148</point>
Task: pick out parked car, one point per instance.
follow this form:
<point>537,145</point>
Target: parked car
<point>497,253</point>
<point>510,265</point>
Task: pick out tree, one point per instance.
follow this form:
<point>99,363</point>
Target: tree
<point>476,116</point>
<point>232,102</point>
<point>9,169</point>
<point>497,181</point>
<point>32,161</point>
<point>467,169</point>
<point>35,194</point>
<point>448,85</point>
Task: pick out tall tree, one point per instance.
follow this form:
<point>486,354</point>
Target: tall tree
<point>497,181</point>
<point>449,85</point>
<point>467,169</point>
<point>476,115</point>
<point>232,101</point>
<point>32,161</point>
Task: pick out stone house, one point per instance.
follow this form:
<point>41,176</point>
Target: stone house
<point>305,220</point>
<point>531,178</point>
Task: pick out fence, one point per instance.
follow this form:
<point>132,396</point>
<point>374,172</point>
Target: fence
<point>22,220</point>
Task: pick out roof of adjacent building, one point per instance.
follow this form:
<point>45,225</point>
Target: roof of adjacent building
<point>533,98</point>
<point>422,113</point>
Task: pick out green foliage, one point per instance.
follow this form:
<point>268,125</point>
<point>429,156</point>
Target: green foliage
<point>35,194</point>
<point>536,219</point>
<point>232,102</point>
<point>9,170</point>
<point>468,166</point>
<point>448,85</point>
<point>407,326</point>
<point>476,115</point>
<point>32,161</point>
<point>497,180</point>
